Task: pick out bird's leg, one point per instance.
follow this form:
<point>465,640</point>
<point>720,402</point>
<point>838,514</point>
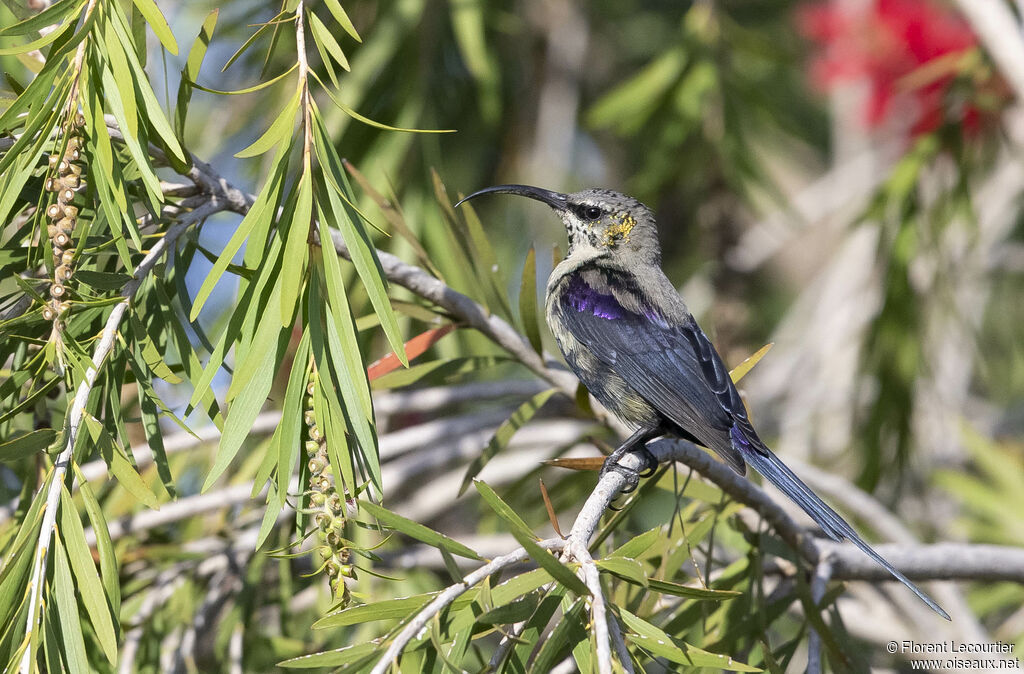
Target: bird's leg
<point>636,443</point>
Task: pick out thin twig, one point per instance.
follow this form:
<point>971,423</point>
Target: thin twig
<point>598,610</point>
<point>447,596</point>
<point>819,583</point>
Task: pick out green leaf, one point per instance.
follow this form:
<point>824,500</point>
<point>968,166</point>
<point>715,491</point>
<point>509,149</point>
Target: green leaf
<point>296,250</point>
<point>639,544</point>
<point>102,280</point>
<point>323,36</point>
<point>504,434</point>
<point>292,415</point>
<point>528,313</point>
<point>369,122</point>
<point>661,645</point>
<point>361,249</point>
<point>87,580</point>
<point>504,510</point>
<point>342,18</point>
<point>349,655</point>
<point>38,43</point>
<point>624,567</point>
<point>257,372</point>
<point>513,612</point>
<point>388,609</point>
<point>63,593</point>
<point>190,73</point>
<point>628,106</point>
<point>246,90</point>
<point>417,530</point>
<point>50,16</point>
<point>550,563</point>
<point>158,23</point>
<point>280,129</point>
<point>571,628</point>
<point>119,465</point>
<point>104,546</point>
<point>27,444</point>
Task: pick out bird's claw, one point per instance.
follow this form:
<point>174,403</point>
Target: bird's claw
<point>632,476</point>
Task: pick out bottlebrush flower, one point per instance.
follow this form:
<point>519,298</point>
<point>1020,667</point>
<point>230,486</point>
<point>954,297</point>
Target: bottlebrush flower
<point>911,54</point>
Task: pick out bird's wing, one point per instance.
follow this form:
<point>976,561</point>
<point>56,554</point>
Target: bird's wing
<point>674,366</point>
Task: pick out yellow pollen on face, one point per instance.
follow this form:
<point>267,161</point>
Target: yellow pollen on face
<point>618,231</point>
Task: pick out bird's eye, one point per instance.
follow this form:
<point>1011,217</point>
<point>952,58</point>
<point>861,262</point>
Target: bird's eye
<point>588,212</point>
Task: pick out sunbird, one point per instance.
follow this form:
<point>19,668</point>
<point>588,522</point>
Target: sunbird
<point>628,336</point>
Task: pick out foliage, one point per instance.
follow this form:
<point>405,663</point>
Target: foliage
<point>201,468</point>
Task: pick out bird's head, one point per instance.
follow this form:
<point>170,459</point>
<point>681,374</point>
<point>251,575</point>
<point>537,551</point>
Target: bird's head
<point>600,223</point>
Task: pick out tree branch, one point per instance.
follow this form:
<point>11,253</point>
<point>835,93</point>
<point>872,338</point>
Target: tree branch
<point>77,410</point>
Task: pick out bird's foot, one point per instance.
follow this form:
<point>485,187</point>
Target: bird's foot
<point>632,475</point>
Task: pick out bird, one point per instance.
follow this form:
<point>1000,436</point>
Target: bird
<point>631,340</point>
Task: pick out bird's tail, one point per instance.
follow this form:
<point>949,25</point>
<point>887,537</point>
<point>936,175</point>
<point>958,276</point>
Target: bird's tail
<point>776,472</point>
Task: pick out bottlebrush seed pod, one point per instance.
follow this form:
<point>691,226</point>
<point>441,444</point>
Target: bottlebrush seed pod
<point>332,569</point>
<point>314,433</point>
<point>67,257</point>
<point>53,159</point>
<point>310,388</point>
<point>51,185</point>
<point>317,499</point>
<point>68,195</point>
<point>333,539</point>
<point>63,272</point>
<point>54,211</point>
<point>72,169</point>
<point>325,483</point>
<point>51,231</point>
<point>310,418</point>
<point>79,119</point>
<point>70,182</point>
<point>57,290</point>
<point>71,212</point>
<point>63,307</point>
<point>75,155</point>
<point>316,465</point>
<point>61,240</point>
<point>312,446</point>
<point>74,143</point>
<point>48,313</point>
<point>334,503</point>
<point>66,225</point>
<point>323,521</point>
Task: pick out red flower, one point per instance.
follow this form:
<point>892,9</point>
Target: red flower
<point>908,51</point>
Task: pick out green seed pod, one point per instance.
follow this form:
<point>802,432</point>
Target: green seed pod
<point>317,465</point>
<point>63,307</point>
<point>317,498</point>
<point>310,417</point>
<point>332,569</point>
<point>335,503</point>
<point>314,434</point>
<point>312,446</point>
<point>310,388</point>
<point>323,521</point>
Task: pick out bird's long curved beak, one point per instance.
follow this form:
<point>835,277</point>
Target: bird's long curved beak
<point>555,200</point>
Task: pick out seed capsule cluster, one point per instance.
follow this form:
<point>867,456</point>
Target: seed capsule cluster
<point>328,506</point>
<point>66,181</point>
